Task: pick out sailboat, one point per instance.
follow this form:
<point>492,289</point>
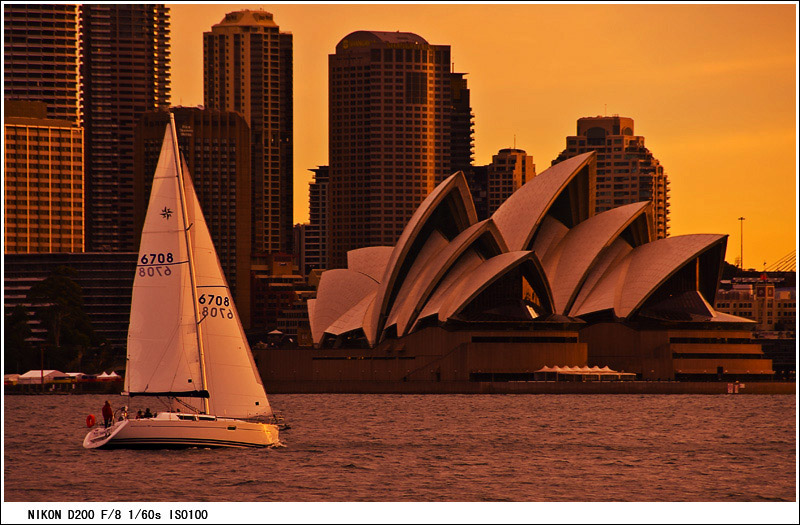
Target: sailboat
<point>186,344</point>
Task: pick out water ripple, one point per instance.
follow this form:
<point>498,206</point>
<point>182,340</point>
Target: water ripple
<point>430,448</point>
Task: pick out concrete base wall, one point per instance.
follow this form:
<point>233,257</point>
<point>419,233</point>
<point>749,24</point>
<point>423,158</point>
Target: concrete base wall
<point>431,354</point>
<point>650,352</point>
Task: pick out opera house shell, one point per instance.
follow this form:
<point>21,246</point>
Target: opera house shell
<point>543,282</point>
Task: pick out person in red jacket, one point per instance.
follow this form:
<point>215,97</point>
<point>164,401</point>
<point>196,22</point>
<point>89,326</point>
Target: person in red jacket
<point>108,414</point>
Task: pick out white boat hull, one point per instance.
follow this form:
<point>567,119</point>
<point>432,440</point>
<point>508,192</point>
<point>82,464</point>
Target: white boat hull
<point>170,430</point>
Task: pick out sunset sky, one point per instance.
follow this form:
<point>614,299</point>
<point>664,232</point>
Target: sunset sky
<point>712,88</point>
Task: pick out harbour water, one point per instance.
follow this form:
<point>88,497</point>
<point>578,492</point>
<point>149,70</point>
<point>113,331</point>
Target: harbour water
<point>429,448</point>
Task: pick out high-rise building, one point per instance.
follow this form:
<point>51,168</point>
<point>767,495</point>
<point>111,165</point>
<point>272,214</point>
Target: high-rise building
<point>106,282</point>
<point>300,232</point>
<point>41,57</point>
<point>316,233</point>
<point>216,147</point>
<point>509,170</point>
<point>248,69</point>
<point>125,72</point>
<point>627,172</point>
<point>461,126</point>
<point>390,124</point>
<point>43,181</point>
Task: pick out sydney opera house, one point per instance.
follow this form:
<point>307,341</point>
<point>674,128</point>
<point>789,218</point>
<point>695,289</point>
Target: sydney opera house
<point>543,282</point>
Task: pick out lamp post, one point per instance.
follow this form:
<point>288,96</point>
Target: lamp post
<point>741,243</point>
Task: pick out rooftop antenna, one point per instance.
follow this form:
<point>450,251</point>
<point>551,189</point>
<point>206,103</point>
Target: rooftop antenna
<point>515,141</point>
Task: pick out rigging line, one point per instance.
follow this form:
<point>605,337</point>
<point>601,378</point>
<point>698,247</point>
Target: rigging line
<point>162,264</point>
<point>189,249</point>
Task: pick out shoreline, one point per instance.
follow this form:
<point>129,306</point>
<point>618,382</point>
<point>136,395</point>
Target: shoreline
<point>465,387</point>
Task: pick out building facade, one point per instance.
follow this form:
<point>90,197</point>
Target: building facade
<point>43,181</point>
<point>627,172</point>
<point>106,280</point>
<point>774,309</point>
<point>316,233</point>
<point>274,287</point>
<point>125,72</point>
<point>247,69</point>
<point>509,170</point>
<point>461,125</point>
<point>41,57</point>
<point>390,125</point>
<point>216,147</point>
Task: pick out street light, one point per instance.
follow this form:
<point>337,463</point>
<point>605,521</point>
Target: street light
<point>741,243</point>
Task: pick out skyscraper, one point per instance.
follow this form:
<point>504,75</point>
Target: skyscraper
<point>248,69</point>
<point>125,72</point>
<point>461,127</point>
<point>316,233</point>
<point>627,172</point>
<point>41,57</point>
<point>43,181</point>
<point>216,147</point>
<point>509,170</point>
<point>390,122</point>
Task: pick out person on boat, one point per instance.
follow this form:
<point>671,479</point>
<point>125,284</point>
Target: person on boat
<point>147,413</point>
<point>139,414</point>
<point>108,414</point>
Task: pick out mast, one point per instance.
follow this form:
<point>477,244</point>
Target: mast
<point>190,256</point>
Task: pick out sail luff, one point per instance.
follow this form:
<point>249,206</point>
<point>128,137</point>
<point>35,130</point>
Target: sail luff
<point>162,353</point>
<point>190,252</point>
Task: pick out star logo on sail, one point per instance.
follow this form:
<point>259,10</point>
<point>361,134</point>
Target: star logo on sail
<point>166,213</point>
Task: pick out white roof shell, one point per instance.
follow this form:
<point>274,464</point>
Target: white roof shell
<point>608,261</point>
<point>444,258</point>
<point>520,215</point>
<point>411,298</point>
<point>477,280</point>
<point>353,319</point>
<point>467,262</point>
<point>633,279</point>
<point>371,260</point>
<point>455,186</point>
<point>568,263</point>
<point>339,290</point>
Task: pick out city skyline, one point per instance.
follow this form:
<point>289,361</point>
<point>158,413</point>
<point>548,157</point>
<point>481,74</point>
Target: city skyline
<point>711,87</point>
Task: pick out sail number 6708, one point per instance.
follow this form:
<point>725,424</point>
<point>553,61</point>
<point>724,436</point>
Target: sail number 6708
<point>157,258</point>
<point>215,306</point>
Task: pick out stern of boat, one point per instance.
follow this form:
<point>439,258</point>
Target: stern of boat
<point>97,437</point>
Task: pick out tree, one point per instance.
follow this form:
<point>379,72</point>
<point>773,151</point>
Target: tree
<point>59,301</point>
<point>17,350</point>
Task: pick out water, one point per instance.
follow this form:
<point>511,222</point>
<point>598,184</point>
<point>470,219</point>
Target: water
<point>430,448</point>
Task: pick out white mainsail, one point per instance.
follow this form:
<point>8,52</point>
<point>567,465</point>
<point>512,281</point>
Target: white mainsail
<point>165,354</point>
<point>162,340</point>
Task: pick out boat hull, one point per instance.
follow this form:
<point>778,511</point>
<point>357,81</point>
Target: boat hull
<point>172,432</point>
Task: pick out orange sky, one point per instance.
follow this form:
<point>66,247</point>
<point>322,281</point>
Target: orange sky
<point>712,88</point>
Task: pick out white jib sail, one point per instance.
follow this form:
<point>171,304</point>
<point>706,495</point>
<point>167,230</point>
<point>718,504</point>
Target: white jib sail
<point>162,339</point>
<point>234,384</point>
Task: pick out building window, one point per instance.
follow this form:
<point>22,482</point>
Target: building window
<point>416,83</point>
